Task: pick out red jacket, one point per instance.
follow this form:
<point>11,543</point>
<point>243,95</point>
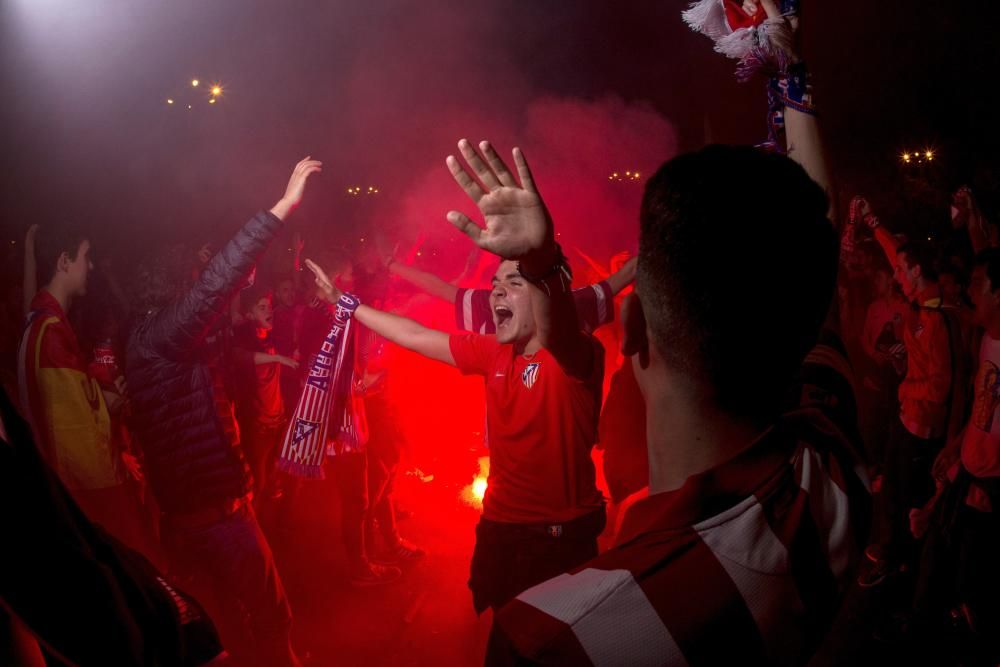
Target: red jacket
<point>65,405</point>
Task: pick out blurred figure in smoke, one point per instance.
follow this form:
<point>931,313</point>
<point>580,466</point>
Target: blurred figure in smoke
<point>257,371</point>
<point>287,324</point>
<point>185,422</point>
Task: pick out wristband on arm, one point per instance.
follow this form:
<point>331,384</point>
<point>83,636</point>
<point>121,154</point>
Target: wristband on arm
<point>557,279</point>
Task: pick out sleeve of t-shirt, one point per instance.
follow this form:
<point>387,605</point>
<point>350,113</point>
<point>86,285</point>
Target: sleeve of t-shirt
<point>594,305</point>
<point>472,311</point>
<point>473,353</point>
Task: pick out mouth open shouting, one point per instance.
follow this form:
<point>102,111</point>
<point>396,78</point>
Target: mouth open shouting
<point>502,316</point>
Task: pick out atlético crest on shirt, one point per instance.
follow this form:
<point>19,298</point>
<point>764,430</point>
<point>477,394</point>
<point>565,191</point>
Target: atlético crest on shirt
<point>530,374</point>
<point>303,428</point>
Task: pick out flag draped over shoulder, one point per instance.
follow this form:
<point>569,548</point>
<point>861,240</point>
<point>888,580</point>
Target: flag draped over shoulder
<point>304,445</point>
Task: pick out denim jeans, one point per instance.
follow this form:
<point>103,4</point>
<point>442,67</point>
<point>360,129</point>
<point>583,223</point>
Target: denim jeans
<point>228,565</point>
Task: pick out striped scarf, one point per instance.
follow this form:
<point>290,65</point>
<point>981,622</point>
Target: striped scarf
<point>304,446</point>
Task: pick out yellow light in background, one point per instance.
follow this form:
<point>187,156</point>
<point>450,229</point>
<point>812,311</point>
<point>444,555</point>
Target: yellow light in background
<point>929,155</point>
<point>169,101</point>
<point>194,82</point>
<point>212,101</point>
<point>216,90</point>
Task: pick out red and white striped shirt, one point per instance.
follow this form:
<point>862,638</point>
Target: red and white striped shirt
<point>746,563</point>
<point>594,308</point>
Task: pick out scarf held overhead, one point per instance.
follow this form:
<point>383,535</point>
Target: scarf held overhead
<point>304,445</point>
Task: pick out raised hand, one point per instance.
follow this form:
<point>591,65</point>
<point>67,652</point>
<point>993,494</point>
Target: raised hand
<point>296,187</point>
<point>518,226</point>
<point>326,287</point>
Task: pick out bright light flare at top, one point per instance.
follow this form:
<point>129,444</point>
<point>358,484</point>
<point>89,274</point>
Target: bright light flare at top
<point>918,157</point>
<point>216,90</point>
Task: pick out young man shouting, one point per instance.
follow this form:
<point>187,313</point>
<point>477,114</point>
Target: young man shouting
<point>542,511</point>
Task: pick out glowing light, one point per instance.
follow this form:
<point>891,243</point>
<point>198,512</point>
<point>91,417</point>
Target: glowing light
<point>195,82</point>
<point>189,106</point>
<point>169,101</point>
<point>479,488</point>
<point>212,101</point>
<point>929,155</point>
<point>473,494</point>
<point>629,175</point>
<point>216,90</point>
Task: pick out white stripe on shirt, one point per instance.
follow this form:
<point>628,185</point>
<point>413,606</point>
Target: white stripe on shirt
<point>611,617</point>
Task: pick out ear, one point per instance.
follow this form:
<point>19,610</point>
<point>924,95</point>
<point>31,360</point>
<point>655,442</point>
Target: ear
<point>635,340</point>
<point>62,264</point>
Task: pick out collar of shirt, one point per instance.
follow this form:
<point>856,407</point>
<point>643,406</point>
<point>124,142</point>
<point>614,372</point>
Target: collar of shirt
<point>929,297</point>
<point>711,492</point>
<point>44,301</point>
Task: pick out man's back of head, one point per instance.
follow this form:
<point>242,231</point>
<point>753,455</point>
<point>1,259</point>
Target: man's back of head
<point>737,267</point>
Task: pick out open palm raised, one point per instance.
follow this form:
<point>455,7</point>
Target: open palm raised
<point>518,225</point>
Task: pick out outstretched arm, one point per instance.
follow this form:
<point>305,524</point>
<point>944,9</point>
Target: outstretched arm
<point>624,276</point>
<point>400,330</point>
<point>424,281</point>
<point>179,326</point>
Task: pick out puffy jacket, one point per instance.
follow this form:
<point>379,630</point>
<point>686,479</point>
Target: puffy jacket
<point>182,417</point>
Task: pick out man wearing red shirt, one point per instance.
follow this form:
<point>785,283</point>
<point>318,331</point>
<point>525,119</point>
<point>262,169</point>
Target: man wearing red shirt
<point>931,400</point>
<point>542,511</point>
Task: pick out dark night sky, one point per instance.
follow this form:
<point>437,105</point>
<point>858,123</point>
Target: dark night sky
<point>380,89</point>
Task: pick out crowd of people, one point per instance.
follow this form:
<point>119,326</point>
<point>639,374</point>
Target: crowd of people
<point>798,410</point>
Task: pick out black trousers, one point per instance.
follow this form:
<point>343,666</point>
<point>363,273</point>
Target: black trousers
<point>511,557</point>
<point>908,484</point>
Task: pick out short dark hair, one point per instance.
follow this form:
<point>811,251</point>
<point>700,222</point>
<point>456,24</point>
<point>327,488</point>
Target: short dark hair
<point>161,277</point>
<point>737,270</point>
<point>922,255</point>
<point>251,295</point>
<point>990,259</point>
<point>51,242</point>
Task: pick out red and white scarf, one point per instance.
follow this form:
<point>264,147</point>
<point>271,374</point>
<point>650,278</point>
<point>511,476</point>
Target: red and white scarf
<point>304,446</point>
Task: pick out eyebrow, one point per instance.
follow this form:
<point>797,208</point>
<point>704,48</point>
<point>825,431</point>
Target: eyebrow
<point>509,276</point>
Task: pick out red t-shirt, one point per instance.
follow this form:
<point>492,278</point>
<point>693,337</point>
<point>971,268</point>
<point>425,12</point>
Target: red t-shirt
<point>541,425</point>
